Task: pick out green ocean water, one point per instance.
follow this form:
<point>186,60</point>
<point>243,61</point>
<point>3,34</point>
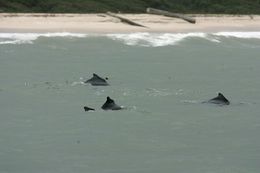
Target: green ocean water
<point>164,128</point>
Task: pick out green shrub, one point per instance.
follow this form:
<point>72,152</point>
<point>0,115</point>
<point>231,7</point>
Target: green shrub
<point>131,6</point>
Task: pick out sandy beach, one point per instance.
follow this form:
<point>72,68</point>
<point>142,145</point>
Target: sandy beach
<point>102,23</point>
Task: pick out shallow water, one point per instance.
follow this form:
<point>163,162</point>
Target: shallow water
<point>161,82</point>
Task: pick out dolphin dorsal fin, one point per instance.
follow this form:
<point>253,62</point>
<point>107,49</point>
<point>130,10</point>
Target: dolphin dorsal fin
<point>88,108</point>
<point>109,99</point>
<point>221,95</point>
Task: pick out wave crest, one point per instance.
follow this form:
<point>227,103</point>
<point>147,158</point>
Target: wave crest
<point>133,39</point>
<point>248,35</point>
<point>153,39</point>
<point>28,38</point>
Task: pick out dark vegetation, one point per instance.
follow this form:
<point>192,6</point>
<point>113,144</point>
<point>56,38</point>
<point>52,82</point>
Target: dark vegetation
<point>131,6</point>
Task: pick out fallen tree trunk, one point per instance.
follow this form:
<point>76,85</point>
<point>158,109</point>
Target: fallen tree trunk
<point>124,20</point>
<point>169,14</point>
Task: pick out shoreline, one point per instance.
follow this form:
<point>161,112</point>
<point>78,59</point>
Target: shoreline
<point>102,24</point>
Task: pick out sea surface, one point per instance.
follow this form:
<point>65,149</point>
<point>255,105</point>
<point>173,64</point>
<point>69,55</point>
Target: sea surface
<point>160,78</point>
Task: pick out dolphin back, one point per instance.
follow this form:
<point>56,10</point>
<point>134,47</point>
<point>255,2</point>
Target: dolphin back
<point>97,81</point>
<point>220,99</point>
<point>110,105</point>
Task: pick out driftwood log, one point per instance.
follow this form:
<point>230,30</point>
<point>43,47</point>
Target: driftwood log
<point>169,14</point>
<point>124,20</point>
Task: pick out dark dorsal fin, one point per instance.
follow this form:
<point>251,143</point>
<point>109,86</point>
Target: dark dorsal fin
<point>222,97</point>
<point>110,105</point>
<point>95,76</point>
<point>109,100</point>
<point>97,81</point>
<point>88,109</point>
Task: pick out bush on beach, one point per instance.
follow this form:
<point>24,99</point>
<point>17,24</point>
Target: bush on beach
<point>131,6</point>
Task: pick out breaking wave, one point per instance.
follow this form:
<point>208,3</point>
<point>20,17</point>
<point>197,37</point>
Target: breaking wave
<point>247,35</point>
<point>28,38</point>
<point>133,39</point>
<point>154,39</point>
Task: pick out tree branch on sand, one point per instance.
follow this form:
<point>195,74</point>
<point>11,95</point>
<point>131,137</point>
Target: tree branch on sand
<point>169,14</point>
<point>124,20</point>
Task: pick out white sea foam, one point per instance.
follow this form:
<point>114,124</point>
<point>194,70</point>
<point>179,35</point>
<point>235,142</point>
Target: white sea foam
<point>154,39</point>
<point>156,92</point>
<point>245,35</point>
<point>28,38</point>
<point>133,39</point>
<point>165,39</point>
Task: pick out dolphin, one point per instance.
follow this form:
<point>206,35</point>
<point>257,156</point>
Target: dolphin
<point>97,81</point>
<point>110,105</point>
<point>88,109</point>
<point>220,100</point>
